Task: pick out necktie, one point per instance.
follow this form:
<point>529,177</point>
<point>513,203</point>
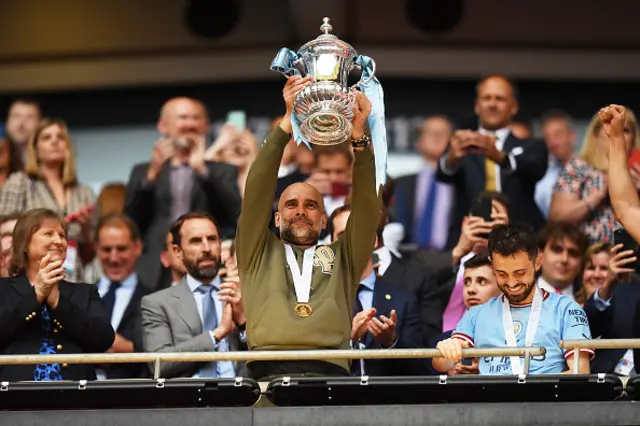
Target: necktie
<point>426,221</point>
<point>490,173</point>
<point>109,299</point>
<point>47,372</point>
<point>357,305</point>
<point>209,322</point>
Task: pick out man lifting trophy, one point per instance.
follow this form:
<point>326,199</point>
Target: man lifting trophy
<point>298,294</point>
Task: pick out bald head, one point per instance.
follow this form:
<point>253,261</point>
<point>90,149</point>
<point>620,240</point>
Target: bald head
<point>181,117</point>
<point>300,215</point>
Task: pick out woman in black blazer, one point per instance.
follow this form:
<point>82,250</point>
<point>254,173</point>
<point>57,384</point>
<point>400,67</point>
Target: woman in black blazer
<point>40,312</point>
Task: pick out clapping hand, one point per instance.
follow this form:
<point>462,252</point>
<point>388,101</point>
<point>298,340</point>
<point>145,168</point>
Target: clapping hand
<point>613,118</point>
<point>50,272</point>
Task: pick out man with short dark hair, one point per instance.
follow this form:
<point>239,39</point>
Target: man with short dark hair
<point>118,247</point>
<point>525,315</point>
<point>201,313</point>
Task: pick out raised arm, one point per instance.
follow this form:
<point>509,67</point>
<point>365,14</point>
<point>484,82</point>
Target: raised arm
<point>253,225</point>
<point>360,232</point>
<point>624,196</point>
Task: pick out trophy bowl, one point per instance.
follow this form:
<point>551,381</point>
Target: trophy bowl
<point>324,108</point>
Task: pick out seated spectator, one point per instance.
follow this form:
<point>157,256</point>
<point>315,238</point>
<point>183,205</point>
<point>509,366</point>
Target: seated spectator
<point>563,248</point>
<point>50,181</point>
<point>201,313</point>
<point>384,316</point>
<point>596,270</point>
<point>40,312</point>
<point>580,195</point>
<point>119,247</point>
<point>611,310</point>
<point>234,147</point>
<point>525,314</point>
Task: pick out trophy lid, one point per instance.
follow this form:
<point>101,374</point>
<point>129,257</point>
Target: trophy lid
<point>328,43</point>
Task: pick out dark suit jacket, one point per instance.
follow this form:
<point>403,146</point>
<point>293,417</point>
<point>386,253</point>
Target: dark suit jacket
<point>417,281</point>
<point>616,322</point>
<point>149,205</point>
<point>79,320</point>
<point>387,297</point>
<point>130,328</point>
<point>519,185</point>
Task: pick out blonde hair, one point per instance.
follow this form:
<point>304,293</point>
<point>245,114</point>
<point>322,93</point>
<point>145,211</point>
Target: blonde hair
<point>32,166</point>
<point>589,152</point>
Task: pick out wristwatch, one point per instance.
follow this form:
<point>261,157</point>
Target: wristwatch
<point>362,142</point>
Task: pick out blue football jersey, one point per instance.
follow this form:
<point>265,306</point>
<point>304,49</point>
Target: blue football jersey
<point>560,319</point>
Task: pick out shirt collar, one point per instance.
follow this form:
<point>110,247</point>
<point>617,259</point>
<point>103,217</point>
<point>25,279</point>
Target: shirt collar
<point>194,284</point>
<point>130,282</point>
<point>369,281</point>
<point>500,133</point>
<point>384,258</point>
<point>567,291</point>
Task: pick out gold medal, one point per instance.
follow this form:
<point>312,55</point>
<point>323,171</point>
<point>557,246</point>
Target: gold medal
<point>303,309</point>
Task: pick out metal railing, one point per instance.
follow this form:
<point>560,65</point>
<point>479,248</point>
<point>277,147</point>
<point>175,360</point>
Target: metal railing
<point>576,345</point>
<point>309,355</point>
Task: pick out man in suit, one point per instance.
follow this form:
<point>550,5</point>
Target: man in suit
<point>422,203</point>
<point>201,313</point>
<point>178,180</point>
<point>384,316</point>
<point>410,277</point>
<point>491,158</point>
<point>118,247</point>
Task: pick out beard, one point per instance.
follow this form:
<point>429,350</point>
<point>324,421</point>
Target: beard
<point>202,272</point>
<point>519,295</point>
<point>295,235</point>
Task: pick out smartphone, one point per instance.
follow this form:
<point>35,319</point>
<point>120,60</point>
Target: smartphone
<point>481,207</point>
<point>621,236</point>
<point>238,119</point>
<point>339,189</point>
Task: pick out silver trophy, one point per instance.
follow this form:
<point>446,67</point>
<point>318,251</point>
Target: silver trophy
<point>323,108</point>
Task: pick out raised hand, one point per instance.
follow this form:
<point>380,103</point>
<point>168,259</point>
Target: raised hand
<point>384,329</point>
<point>162,151</point>
<point>230,293</point>
<point>294,85</point>
<point>361,110</point>
<point>359,324</point>
<point>197,154</point>
<point>49,274</point>
<point>613,118</point>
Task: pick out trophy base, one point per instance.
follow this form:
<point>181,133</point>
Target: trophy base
<point>326,128</point>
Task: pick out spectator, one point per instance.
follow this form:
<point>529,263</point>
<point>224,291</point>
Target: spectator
<point>563,249</point>
<point>580,195</point>
<point>201,313</point>
<point>172,263</point>
<point>384,316</point>
<point>234,147</point>
<point>10,162</point>
<point>22,121</point>
<point>491,158</point>
<point>422,204</point>
<point>7,224</point>
<point>596,270</point>
<point>521,129</point>
<point>119,247</point>
<point>50,181</point>
<point>40,312</point>
<point>560,137</point>
<point>530,316</point>
<point>178,180</point>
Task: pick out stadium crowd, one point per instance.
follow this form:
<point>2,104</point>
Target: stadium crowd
<point>501,239</point>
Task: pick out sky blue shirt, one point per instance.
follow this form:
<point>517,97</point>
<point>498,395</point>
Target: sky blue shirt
<point>560,319</point>
<point>366,294</point>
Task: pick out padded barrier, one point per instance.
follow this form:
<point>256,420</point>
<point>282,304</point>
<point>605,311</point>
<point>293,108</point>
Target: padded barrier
<point>170,393</point>
<point>443,389</point>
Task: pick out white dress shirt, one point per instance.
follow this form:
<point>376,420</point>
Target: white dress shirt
<point>567,291</point>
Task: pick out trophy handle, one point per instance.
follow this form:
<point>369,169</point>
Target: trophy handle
<point>368,79</point>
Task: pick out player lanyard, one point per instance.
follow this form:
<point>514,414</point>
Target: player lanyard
<point>532,326</point>
<point>301,280</point>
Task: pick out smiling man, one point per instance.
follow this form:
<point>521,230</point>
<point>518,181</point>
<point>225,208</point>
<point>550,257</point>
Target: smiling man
<point>298,294</point>
<point>525,315</point>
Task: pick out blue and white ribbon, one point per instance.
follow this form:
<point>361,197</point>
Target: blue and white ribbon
<point>284,64</point>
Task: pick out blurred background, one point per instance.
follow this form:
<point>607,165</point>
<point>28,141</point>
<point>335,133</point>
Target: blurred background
<point>106,67</point>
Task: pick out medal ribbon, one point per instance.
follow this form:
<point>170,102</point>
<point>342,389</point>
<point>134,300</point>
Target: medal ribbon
<point>301,280</point>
